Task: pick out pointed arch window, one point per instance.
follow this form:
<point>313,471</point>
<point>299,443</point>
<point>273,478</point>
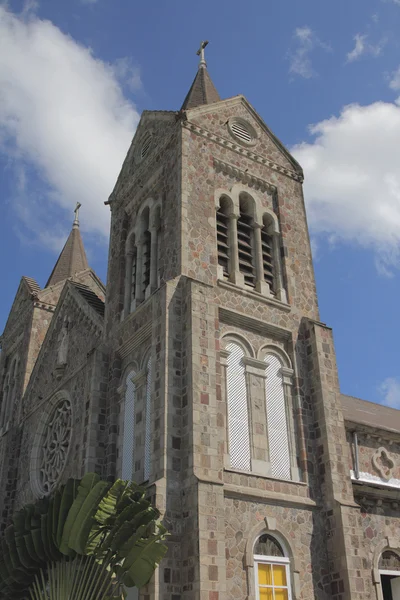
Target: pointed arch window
<point>238,413</point>
<point>277,421</point>
<point>147,440</point>
<point>272,569</point>
<point>128,440</point>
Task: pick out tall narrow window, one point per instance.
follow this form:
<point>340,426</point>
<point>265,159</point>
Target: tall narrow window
<point>146,260</point>
<point>128,440</point>
<point>277,427</point>
<point>238,416</point>
<point>147,440</point>
<point>133,268</point>
<point>5,400</point>
<point>272,570</point>
<point>223,236</point>
<point>245,235</point>
<point>268,259</point>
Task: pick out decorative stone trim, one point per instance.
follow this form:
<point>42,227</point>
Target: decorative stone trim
<point>384,473</point>
<point>242,151</point>
<point>224,357</point>
<point>44,306</point>
<point>137,339</point>
<point>243,176</point>
<point>287,375</point>
<point>254,366</point>
<point>231,317</point>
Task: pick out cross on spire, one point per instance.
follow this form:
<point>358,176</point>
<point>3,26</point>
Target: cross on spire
<point>200,52</point>
<point>76,211</point>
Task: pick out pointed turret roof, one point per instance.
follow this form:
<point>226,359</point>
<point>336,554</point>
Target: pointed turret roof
<point>202,90</point>
<point>73,256</point>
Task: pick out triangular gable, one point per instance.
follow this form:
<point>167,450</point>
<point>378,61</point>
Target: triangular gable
<point>238,106</point>
<point>159,124</point>
<point>25,296</point>
<point>85,301</point>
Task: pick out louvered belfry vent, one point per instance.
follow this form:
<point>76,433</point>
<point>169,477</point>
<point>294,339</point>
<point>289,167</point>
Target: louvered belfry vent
<point>241,131</point>
<point>146,260</point>
<point>133,284</point>
<point>223,240</point>
<point>268,263</point>
<point>245,247</point>
<point>145,146</point>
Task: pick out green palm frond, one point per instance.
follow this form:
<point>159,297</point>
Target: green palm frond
<point>86,541</point>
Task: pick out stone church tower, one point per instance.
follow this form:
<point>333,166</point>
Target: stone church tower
<point>207,375</point>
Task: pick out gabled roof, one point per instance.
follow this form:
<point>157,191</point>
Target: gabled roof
<point>202,90</point>
<point>370,414</point>
<point>72,258</point>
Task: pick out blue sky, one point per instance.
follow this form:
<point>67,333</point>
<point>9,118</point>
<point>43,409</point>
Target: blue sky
<point>324,76</point>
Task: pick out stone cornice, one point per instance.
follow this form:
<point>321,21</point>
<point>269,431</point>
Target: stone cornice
<point>226,143</point>
<point>251,180</point>
<point>231,317</point>
<point>44,306</point>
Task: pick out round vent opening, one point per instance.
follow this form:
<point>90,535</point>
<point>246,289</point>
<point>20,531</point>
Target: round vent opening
<point>242,131</point>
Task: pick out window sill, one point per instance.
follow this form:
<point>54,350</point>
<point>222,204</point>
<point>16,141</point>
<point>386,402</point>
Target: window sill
<point>261,475</point>
<point>250,293</point>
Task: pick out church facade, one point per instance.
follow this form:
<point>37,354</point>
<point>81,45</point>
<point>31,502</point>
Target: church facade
<point>203,372</point>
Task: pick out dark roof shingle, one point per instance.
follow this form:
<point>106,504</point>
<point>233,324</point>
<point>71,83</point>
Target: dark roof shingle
<point>202,91</point>
<point>91,298</point>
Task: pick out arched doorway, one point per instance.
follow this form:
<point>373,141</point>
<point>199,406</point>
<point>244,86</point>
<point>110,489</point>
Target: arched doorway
<point>389,571</point>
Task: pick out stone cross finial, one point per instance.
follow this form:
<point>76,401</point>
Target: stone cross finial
<point>76,211</point>
<point>200,52</point>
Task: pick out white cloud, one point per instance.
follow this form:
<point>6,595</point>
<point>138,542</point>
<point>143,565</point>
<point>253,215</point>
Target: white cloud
<point>390,390</point>
<point>362,46</point>
<point>62,112</point>
<point>395,81</point>
<point>306,41</point>
<point>352,179</point>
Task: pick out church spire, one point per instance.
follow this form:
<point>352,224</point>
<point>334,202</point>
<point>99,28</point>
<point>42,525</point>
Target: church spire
<point>73,256</point>
<point>202,90</point>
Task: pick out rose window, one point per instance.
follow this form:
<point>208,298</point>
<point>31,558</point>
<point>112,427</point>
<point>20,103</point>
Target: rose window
<point>55,445</point>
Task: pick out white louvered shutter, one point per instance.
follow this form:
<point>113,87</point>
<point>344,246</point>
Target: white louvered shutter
<point>147,440</point>
<point>238,417</point>
<point>241,131</point>
<point>278,435</point>
<point>128,442</point>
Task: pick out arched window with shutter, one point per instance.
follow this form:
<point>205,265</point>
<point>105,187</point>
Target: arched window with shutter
<point>148,403</point>
<point>128,439</point>
<point>277,422</point>
<point>238,412</point>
